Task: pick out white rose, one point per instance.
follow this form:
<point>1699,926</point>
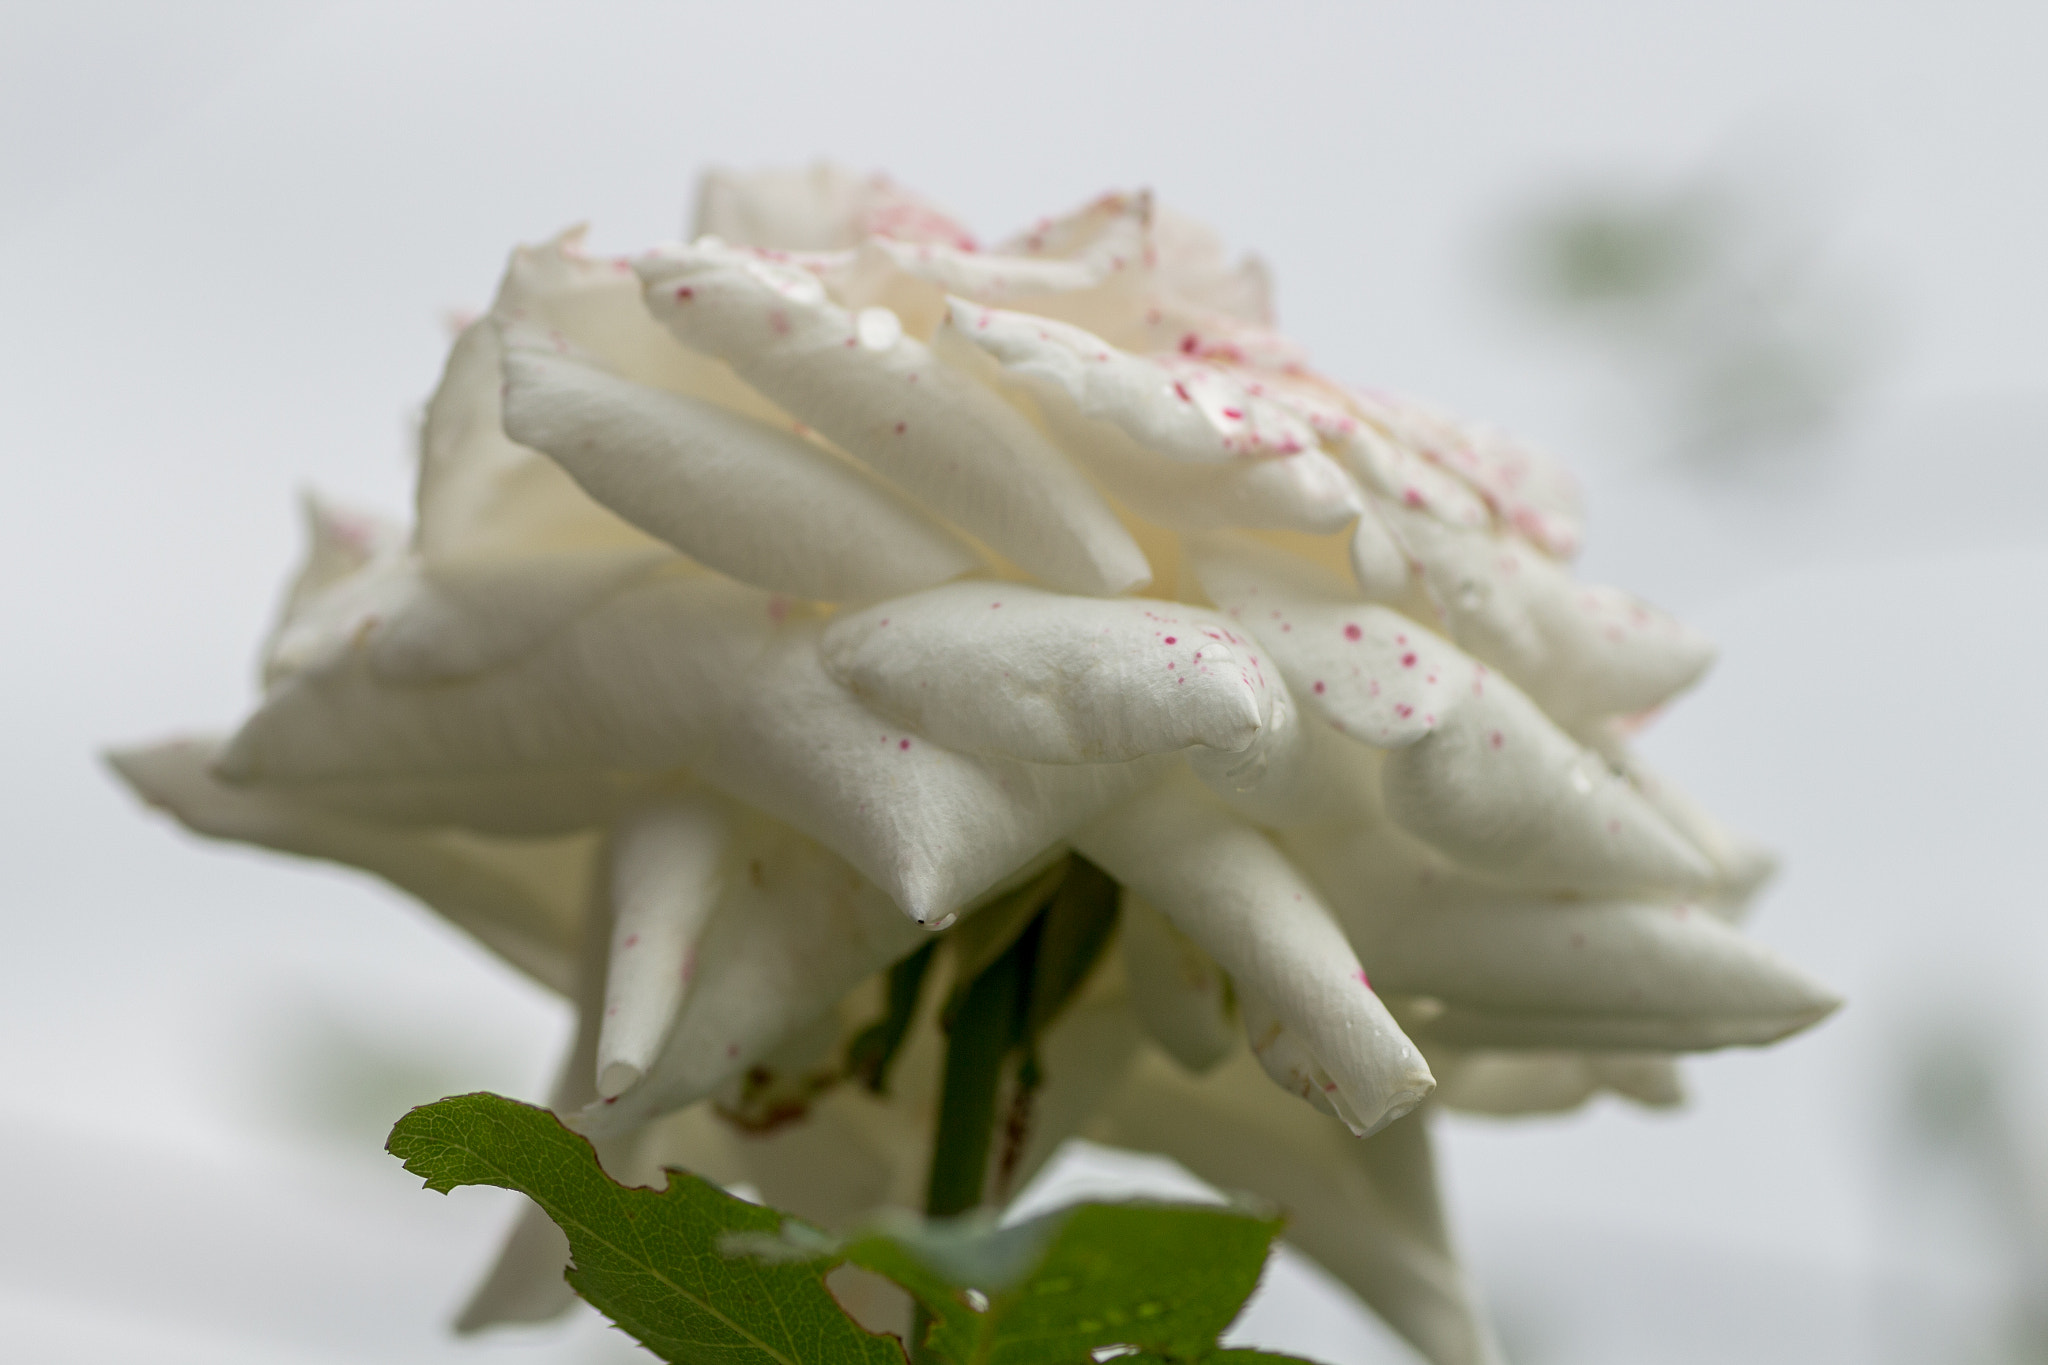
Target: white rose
<point>777,598</point>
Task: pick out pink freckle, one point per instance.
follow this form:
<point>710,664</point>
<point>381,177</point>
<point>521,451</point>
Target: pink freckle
<point>1233,414</point>
<point>686,293</point>
<point>632,940</point>
<point>778,609</point>
<point>1403,710</point>
<point>1173,639</point>
<point>1363,979</point>
<point>1352,632</point>
<point>885,620</point>
<point>778,321</point>
<point>610,1011</point>
<point>732,1049</point>
<point>852,341</point>
<point>1407,661</point>
<point>1189,344</point>
<point>1614,826</point>
<point>1320,689</point>
<point>1182,390</point>
<point>899,428</point>
<point>1329,1087</point>
<point>613,1100</point>
<point>993,605</point>
<point>1412,498</point>
<point>903,744</point>
<point>1496,739</point>
<point>913,377</point>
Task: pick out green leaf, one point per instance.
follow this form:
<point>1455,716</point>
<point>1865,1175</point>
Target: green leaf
<point>649,1259</point>
<point>1164,1278</point>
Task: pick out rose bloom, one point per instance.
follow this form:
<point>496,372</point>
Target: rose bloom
<point>776,600</point>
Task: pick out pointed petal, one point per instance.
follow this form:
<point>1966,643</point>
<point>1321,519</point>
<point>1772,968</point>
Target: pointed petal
<point>1190,413</point>
<point>795,931</point>
<point>667,873</point>
<point>1230,890</point>
<point>887,400</point>
<point>999,668</point>
<point>1366,670</point>
<point>524,901</point>
<point>1579,650</point>
<point>1508,794</point>
<point>750,500</point>
<point>1597,976</point>
<point>1367,1211</point>
<point>1177,991</point>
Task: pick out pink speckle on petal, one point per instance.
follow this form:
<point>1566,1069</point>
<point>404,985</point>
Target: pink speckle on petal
<point>1407,661</point>
<point>903,744</point>
<point>685,293</point>
<point>1403,710</point>
<point>632,940</point>
<point>1352,632</point>
<point>1363,979</point>
<point>1173,639</point>
<point>899,428</point>
<point>778,322</point>
<point>1496,739</point>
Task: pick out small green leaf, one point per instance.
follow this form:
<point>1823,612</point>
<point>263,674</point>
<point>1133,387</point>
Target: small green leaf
<point>1162,1278</point>
<point>651,1260</point>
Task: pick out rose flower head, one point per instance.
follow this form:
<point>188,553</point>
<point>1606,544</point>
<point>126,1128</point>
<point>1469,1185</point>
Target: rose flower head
<point>779,600</point>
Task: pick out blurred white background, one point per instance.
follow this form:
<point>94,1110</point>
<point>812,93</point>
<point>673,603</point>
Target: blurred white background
<point>231,229</point>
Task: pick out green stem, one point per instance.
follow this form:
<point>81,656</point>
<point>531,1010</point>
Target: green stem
<point>984,1030</point>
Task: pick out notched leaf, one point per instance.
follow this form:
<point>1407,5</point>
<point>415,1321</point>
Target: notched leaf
<point>648,1259</point>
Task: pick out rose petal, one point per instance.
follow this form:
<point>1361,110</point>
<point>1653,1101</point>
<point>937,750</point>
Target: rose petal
<point>998,668</point>
<point>760,504</point>
<point>1192,413</point>
<point>1178,992</point>
<point>1370,672</point>
<point>1601,976</point>
<point>1506,793</point>
<point>667,872</point>
<point>523,900</point>
<point>702,673</point>
<point>796,929</point>
<point>1230,890</point>
<point>1579,650</point>
<point>884,398</point>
